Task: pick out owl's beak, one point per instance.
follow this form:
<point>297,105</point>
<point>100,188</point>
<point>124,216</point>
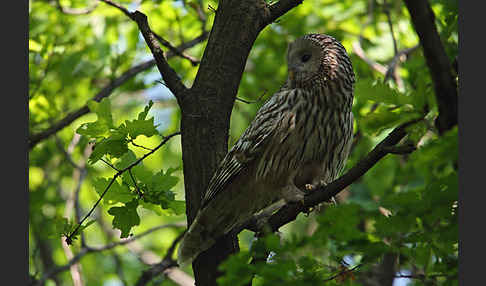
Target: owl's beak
<point>291,74</point>
<point>293,70</point>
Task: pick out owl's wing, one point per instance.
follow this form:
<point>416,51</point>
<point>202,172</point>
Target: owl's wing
<point>246,150</point>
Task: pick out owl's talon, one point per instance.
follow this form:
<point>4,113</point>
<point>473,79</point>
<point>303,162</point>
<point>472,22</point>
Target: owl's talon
<point>333,201</point>
<point>310,187</point>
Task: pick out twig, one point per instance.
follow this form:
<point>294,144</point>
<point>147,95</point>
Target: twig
<point>70,236</point>
<point>65,153</point>
<point>421,276</point>
<point>278,9</point>
<point>140,146</point>
<point>386,8</point>
<point>390,70</point>
<point>393,63</point>
<point>344,272</point>
<point>358,50</point>
<point>167,44</point>
<point>109,164</point>
<point>140,194</point>
<point>254,101</point>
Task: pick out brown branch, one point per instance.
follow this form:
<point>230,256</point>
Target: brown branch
<point>34,139</point>
<point>87,250</point>
<point>173,81</point>
<point>390,70</point>
<point>176,51</point>
<point>164,42</point>
<point>342,273</point>
<point>278,9</point>
<point>170,77</point>
<point>423,20</point>
<point>289,212</point>
<point>358,50</point>
<point>159,268</point>
<point>393,63</point>
<point>386,8</point>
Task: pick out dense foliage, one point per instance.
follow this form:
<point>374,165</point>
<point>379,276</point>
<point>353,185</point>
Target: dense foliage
<point>398,220</point>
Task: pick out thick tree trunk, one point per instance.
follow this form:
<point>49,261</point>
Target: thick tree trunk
<point>206,110</point>
<point>423,20</point>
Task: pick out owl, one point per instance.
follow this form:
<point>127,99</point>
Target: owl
<point>300,138</point>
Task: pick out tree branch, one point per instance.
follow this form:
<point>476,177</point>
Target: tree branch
<point>159,268</point>
<point>87,250</point>
<point>171,78</point>
<point>280,8</point>
<point>289,212</point>
<point>34,139</point>
<point>423,20</point>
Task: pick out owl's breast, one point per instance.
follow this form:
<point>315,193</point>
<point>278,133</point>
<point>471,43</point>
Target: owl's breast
<point>308,132</point>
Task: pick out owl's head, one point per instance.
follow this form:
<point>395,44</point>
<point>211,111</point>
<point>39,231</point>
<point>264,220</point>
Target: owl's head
<point>316,59</point>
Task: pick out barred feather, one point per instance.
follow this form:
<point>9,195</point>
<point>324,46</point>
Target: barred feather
<point>301,135</point>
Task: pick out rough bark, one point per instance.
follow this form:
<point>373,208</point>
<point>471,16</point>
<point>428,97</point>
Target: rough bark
<point>206,110</point>
<point>423,20</point>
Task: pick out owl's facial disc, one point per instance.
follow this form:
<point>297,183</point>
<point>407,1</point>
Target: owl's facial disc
<point>303,61</point>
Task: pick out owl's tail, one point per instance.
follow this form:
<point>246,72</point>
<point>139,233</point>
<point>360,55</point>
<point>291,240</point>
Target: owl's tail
<point>196,240</point>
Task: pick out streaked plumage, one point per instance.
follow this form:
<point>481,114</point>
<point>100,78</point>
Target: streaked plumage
<point>301,135</point>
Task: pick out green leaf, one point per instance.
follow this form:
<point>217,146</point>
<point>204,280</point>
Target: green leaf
<point>126,160</point>
<point>95,129</point>
<point>34,46</point>
<point>125,217</point>
<point>157,209</point>
<point>383,118</point>
<point>116,193</point>
<point>379,92</point>
<point>416,131</point>
<point>142,115</point>
<point>176,207</point>
<point>164,181</point>
<point>102,110</point>
<point>115,148</point>
<point>141,127</point>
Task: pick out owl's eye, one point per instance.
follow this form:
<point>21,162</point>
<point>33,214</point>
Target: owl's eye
<point>305,58</point>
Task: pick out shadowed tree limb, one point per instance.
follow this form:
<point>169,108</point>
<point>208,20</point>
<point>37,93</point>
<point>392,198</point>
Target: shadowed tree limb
<point>159,268</point>
<point>423,20</point>
<point>322,194</point>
